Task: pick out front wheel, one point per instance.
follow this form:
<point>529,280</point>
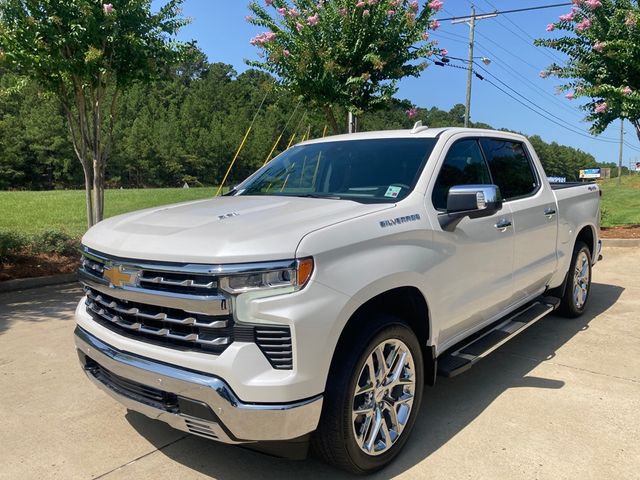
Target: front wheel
<point>578,286</point>
<point>372,398</point>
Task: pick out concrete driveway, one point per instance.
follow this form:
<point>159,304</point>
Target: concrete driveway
<point>561,401</point>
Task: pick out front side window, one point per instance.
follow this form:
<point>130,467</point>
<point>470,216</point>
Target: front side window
<point>372,170</point>
<point>463,165</point>
<point>510,167</point>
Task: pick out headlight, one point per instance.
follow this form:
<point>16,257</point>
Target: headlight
<point>288,279</point>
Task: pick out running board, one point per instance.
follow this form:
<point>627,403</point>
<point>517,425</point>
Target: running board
<point>461,357</point>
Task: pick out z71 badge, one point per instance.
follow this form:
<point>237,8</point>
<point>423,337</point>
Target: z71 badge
<point>399,220</point>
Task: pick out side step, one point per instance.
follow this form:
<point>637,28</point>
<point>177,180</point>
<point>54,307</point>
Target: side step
<point>461,357</point>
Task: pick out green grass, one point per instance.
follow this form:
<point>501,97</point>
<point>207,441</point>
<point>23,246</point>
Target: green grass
<point>34,212</point>
<point>621,204</point>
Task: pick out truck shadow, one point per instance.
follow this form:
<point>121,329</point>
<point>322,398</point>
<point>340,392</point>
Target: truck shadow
<point>447,408</point>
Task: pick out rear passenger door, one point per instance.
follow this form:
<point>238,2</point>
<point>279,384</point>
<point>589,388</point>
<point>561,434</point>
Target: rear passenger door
<point>472,281</point>
<point>531,204</point>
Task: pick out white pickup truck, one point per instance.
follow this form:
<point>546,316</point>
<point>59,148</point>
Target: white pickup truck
<point>311,304</point>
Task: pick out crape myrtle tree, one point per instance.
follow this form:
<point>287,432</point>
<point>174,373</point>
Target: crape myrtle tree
<point>85,53</point>
<point>343,53</point>
<point>602,45</point>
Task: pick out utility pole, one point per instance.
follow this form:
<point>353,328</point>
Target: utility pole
<point>471,20</point>
<point>472,34</point>
<point>620,155</point>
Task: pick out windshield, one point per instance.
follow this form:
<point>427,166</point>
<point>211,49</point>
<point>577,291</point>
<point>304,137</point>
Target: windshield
<point>380,170</point>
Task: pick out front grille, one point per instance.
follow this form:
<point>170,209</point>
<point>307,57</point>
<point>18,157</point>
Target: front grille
<point>184,289</point>
<point>134,390</point>
<point>161,325</point>
<point>275,343</point>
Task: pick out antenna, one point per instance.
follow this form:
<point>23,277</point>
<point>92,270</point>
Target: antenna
<point>418,127</point>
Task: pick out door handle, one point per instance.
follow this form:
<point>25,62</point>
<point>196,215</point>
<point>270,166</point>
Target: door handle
<point>503,224</point>
<point>550,212</point>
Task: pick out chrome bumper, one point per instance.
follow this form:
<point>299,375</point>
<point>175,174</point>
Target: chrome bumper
<point>206,405</point>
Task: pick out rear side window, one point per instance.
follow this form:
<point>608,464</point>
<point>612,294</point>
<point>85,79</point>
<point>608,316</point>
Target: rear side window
<point>463,165</point>
<point>510,167</point>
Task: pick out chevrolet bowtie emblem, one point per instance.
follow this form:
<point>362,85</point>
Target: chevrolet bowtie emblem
<point>118,277</point>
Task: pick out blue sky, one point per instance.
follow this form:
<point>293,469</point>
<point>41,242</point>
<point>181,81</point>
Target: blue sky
<point>221,31</point>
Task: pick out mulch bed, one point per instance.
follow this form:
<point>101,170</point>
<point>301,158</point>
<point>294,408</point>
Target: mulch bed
<point>625,231</point>
<point>38,265</point>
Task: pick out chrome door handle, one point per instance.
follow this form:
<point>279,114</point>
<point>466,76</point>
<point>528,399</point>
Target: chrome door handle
<point>550,212</point>
<point>503,224</point>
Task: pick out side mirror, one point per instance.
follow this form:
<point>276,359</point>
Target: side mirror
<point>473,201</point>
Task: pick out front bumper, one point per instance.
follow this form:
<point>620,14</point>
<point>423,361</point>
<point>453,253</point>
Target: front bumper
<point>190,401</point>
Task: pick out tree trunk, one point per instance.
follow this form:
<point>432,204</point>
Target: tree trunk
<point>636,124</point>
<point>331,119</point>
<point>87,194</point>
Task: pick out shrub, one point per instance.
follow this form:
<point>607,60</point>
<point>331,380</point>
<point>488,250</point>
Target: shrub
<point>53,241</point>
<point>11,243</point>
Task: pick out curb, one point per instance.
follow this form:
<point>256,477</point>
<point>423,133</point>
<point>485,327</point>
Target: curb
<point>28,283</point>
<point>621,242</point>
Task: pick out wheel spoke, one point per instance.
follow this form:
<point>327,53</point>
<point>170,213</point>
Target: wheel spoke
<point>374,431</point>
<point>396,373</point>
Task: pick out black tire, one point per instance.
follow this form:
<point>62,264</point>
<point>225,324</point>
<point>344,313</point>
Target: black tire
<point>335,439</point>
<point>571,307</point>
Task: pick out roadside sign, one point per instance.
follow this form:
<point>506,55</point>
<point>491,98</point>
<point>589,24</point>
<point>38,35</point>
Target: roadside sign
<point>590,173</point>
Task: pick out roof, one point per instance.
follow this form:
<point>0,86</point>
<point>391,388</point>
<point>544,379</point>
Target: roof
<point>421,132</point>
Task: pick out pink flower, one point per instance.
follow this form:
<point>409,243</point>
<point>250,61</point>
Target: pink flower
<point>567,17</point>
<point>248,18</point>
<point>343,12</point>
<point>412,112</point>
<point>435,5</point>
<point>627,90</point>
<point>391,13</point>
<point>360,4</point>
<point>593,4</point>
<point>425,35</point>
<point>598,46</point>
<point>544,74</point>
<point>570,96</point>
<point>413,5</point>
<point>601,107</point>
<point>268,2</point>
<point>262,38</point>
<point>434,25</point>
<point>630,20</point>
<point>108,8</point>
<point>293,12</point>
<point>444,52</point>
<point>312,20</point>
<point>299,27</point>
<point>286,52</point>
<point>373,2</point>
<point>551,27</point>
<point>282,11</point>
<point>583,25</point>
<point>365,13</point>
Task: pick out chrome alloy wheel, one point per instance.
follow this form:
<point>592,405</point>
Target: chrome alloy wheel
<point>383,397</point>
<point>581,277</point>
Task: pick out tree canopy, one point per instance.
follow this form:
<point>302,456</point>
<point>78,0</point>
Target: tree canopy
<point>85,53</point>
<point>345,53</point>
<point>603,49</point>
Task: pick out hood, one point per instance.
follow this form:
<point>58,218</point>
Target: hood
<point>221,230</point>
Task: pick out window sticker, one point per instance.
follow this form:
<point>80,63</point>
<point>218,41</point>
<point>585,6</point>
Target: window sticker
<point>393,191</point>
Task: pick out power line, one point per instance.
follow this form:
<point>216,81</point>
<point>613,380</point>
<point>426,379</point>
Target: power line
<point>503,12</point>
<point>561,123</point>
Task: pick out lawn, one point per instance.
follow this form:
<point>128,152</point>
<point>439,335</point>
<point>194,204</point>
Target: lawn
<point>621,204</point>
<point>33,212</point>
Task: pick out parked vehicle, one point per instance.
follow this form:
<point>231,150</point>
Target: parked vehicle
<point>314,301</point>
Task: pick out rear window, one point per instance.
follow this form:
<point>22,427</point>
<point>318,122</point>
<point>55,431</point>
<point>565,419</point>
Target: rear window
<point>378,170</point>
<point>510,167</point>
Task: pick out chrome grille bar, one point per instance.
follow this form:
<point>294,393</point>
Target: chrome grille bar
<point>179,283</point>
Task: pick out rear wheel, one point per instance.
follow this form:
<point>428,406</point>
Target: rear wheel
<point>372,398</point>
<point>578,283</point>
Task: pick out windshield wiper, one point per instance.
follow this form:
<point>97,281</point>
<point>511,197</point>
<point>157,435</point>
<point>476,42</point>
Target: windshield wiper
<point>318,195</point>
